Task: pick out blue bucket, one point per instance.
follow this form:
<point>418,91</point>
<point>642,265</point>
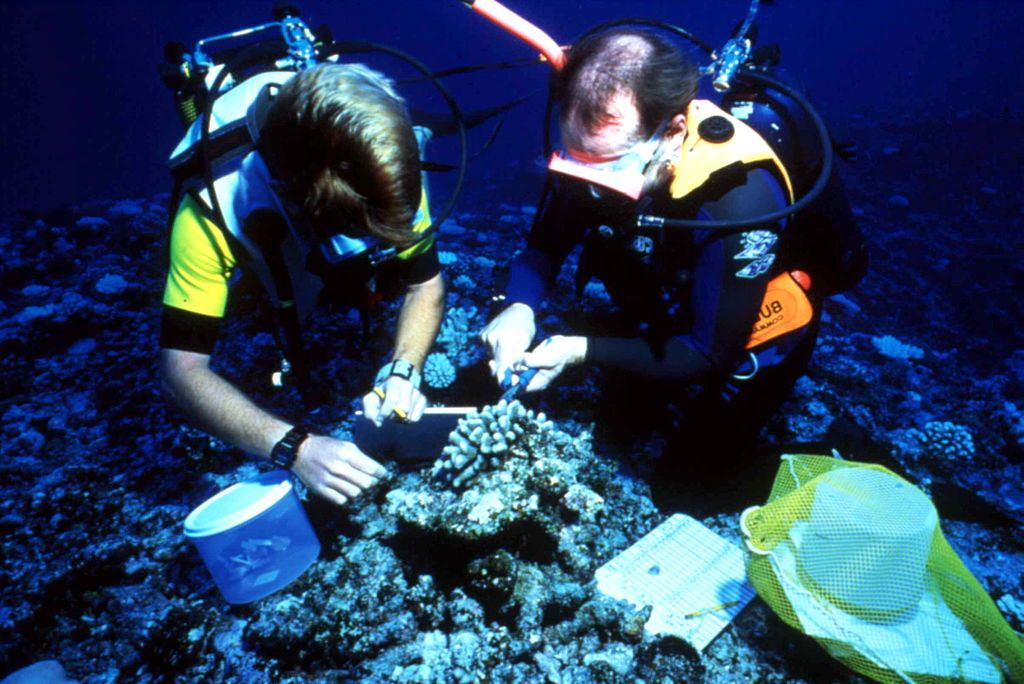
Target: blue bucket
<point>254,537</point>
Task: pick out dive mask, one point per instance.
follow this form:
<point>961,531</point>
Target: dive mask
<point>342,247</point>
<point>624,174</point>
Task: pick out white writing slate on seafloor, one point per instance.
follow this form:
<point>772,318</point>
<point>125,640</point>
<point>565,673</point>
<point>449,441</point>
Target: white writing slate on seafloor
<point>694,579</point>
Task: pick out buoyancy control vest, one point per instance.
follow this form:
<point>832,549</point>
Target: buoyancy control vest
<point>243,185</point>
<point>718,149</point>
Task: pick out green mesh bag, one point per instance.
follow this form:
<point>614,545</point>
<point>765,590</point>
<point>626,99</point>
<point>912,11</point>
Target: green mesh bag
<point>853,555</point>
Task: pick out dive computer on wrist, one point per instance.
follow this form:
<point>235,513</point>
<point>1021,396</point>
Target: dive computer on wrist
<point>400,368</point>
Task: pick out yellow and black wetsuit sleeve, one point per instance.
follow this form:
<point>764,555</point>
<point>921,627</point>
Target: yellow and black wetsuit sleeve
<point>419,263</point>
<point>196,292</point>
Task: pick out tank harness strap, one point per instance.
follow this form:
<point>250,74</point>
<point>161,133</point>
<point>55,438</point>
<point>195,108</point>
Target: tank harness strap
<point>172,213</point>
<point>229,141</point>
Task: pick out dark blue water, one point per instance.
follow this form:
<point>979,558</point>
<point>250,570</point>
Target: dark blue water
<point>85,115</point>
<point>920,367</point>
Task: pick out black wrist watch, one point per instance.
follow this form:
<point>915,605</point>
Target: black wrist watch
<point>285,452</point>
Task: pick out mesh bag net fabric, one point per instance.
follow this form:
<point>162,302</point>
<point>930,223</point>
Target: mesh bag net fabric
<point>853,555</point>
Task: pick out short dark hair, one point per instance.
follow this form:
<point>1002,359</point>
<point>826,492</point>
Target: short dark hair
<point>661,80</point>
<point>344,149</point>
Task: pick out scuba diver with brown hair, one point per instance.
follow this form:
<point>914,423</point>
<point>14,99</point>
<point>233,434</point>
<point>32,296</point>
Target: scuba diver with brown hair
<point>693,220</point>
<point>291,175</point>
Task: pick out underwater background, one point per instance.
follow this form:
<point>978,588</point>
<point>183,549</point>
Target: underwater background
<point>920,367</point>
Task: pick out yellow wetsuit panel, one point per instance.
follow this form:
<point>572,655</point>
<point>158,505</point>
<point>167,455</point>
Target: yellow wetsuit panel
<point>421,225</point>
<point>201,263</point>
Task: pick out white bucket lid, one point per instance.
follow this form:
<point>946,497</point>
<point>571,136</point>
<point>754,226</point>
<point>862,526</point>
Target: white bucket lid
<point>237,504</point>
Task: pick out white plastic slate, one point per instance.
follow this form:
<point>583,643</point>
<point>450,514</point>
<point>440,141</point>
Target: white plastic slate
<point>694,578</point>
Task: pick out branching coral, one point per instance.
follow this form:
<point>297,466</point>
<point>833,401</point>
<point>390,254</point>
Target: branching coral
<point>438,371</point>
<point>458,335</point>
<point>505,469</point>
<point>482,440</point>
<point>949,441</point>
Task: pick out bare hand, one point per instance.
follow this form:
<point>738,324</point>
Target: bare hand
<point>400,397</point>
<point>509,336</point>
<point>335,469</point>
<point>551,357</point>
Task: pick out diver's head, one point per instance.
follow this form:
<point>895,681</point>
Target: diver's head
<point>343,149</point>
<point>621,98</point>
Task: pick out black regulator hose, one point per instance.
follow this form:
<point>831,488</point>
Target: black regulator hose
<point>650,221</point>
<point>663,25</point>
<point>549,108</point>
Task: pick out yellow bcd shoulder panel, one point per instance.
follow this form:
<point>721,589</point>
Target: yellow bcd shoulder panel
<point>700,158</point>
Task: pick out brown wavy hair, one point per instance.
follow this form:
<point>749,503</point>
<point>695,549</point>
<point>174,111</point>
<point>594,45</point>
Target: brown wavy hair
<point>340,142</point>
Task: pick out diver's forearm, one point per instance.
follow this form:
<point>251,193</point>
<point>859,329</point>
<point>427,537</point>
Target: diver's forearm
<point>531,277</point>
<point>220,408</point>
<point>419,320</point>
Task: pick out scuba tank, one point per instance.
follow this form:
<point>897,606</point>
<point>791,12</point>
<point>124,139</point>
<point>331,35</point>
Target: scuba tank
<point>822,238</point>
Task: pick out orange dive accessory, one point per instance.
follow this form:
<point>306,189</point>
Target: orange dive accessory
<point>520,28</point>
<point>785,308</point>
<point>623,177</point>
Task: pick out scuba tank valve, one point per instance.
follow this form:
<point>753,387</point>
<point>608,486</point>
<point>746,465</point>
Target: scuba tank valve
<point>300,41</point>
<point>736,52</point>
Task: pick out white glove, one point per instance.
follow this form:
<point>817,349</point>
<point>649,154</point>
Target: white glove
<point>401,398</point>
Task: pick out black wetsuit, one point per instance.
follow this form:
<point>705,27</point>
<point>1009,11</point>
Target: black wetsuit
<point>689,304</point>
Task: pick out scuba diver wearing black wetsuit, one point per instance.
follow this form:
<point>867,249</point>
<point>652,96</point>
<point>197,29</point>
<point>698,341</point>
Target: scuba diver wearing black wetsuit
<point>732,311</point>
